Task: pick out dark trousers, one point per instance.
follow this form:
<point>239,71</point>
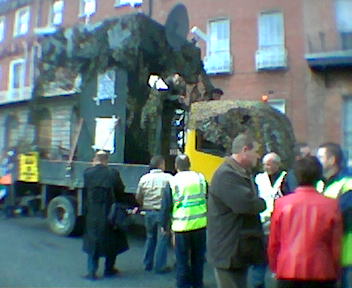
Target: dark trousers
<point>190,254</point>
<point>93,263</point>
<point>305,284</point>
<point>231,278</point>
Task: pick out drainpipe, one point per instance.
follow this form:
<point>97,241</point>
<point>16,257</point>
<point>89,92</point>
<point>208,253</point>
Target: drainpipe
<point>150,10</point>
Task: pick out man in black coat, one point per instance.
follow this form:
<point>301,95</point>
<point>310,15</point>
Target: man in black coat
<point>235,235</point>
<point>102,186</point>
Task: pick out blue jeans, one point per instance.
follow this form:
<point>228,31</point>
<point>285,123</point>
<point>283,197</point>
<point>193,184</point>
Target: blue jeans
<point>156,243</point>
<point>93,263</point>
<point>190,254</point>
<point>256,275</point>
<point>346,278</point>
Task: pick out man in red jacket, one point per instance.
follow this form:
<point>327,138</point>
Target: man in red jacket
<point>306,231</point>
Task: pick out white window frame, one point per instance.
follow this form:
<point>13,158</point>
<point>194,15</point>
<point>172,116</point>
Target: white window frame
<point>218,59</point>
<point>133,3</point>
<point>343,15</point>
<point>22,15</point>
<point>56,14</point>
<point>278,104</point>
<point>271,53</point>
<point>83,8</point>
<point>2,28</point>
<point>22,76</point>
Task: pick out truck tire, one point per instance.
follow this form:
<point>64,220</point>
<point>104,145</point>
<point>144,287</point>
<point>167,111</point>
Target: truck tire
<point>61,215</point>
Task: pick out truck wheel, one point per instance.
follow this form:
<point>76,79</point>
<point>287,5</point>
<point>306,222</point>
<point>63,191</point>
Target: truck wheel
<point>62,215</point>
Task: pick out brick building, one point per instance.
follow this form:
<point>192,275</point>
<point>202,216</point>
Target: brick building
<point>298,53</point>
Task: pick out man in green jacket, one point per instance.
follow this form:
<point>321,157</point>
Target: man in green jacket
<point>235,237</point>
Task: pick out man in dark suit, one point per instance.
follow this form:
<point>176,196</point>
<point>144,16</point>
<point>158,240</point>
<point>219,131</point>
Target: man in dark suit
<point>102,186</point>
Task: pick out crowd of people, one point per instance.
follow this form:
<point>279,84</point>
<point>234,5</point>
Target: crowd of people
<point>295,225</point>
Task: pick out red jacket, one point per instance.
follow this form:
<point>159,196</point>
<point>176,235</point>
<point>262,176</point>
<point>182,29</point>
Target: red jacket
<point>305,236</point>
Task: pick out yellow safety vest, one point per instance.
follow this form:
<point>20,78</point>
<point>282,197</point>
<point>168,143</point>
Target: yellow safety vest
<point>189,201</point>
<point>334,190</point>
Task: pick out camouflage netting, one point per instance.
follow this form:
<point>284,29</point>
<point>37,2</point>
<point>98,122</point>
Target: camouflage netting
<point>221,121</point>
<point>129,42</point>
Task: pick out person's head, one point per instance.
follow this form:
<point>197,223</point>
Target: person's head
<point>245,150</point>
<point>216,94</point>
<point>157,162</point>
<point>331,157</point>
<point>101,157</point>
<point>302,150</point>
<point>308,171</point>
<point>182,163</point>
<point>271,163</point>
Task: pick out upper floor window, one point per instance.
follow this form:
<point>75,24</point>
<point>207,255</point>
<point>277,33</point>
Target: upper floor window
<point>133,3</point>
<point>56,13</point>
<point>218,58</point>
<point>271,53</point>
<point>2,29</point>
<point>87,7</point>
<point>17,74</point>
<point>21,21</point>
<point>344,23</point>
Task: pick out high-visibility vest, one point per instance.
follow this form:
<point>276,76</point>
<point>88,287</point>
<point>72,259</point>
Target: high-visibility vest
<point>269,192</point>
<point>189,201</point>
<point>335,190</point>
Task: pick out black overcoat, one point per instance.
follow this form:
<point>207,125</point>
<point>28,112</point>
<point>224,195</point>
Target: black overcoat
<point>102,185</point>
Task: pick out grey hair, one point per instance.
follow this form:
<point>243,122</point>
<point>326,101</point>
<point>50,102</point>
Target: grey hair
<point>240,141</point>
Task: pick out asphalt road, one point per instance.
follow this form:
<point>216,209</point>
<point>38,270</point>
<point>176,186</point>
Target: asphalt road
<point>31,256</point>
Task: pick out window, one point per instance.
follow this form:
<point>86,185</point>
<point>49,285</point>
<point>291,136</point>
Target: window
<point>347,128</point>
<point>218,58</point>
<point>21,21</point>
<point>56,14</point>
<point>2,29</point>
<point>17,77</point>
<point>344,23</point>
<point>133,3</point>
<point>271,41</point>
<point>106,86</point>
<point>87,7</point>
<point>278,104</point>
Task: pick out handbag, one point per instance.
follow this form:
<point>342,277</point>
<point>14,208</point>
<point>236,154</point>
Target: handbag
<point>118,216</point>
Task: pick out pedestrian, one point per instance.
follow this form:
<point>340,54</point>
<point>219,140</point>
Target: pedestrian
<point>338,185</point>
<point>235,234</point>
<point>184,203</point>
<point>301,150</point>
<point>305,233</point>
<point>102,186</point>
<point>269,185</point>
<point>149,193</point>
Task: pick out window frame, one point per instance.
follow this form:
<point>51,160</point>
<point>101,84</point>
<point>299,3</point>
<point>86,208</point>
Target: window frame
<point>209,51</point>
<point>17,25</point>
<point>122,3</point>
<point>82,4</point>
<point>346,128</point>
<point>22,80</point>
<point>2,30</point>
<point>52,13</point>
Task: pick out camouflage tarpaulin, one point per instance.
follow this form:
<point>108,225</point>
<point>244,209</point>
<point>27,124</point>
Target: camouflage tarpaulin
<point>221,121</point>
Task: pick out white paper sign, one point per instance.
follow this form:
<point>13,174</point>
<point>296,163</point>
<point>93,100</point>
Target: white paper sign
<point>105,134</point>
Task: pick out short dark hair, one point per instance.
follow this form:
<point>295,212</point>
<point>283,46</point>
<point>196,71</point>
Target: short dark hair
<point>334,149</point>
<point>308,170</point>
<point>156,161</point>
<point>182,162</point>
<point>240,141</point>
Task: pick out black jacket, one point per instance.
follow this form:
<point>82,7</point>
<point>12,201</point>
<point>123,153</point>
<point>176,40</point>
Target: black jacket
<point>102,185</point>
<point>235,236</point>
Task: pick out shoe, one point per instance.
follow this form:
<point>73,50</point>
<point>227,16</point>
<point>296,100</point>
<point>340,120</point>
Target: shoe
<point>164,271</point>
<point>111,273</point>
<point>148,268</point>
<point>90,276</point>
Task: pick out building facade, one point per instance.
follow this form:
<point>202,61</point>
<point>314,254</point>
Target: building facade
<point>298,54</point>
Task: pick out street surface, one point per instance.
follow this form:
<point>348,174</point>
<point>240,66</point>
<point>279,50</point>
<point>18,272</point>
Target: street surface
<point>31,256</point>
